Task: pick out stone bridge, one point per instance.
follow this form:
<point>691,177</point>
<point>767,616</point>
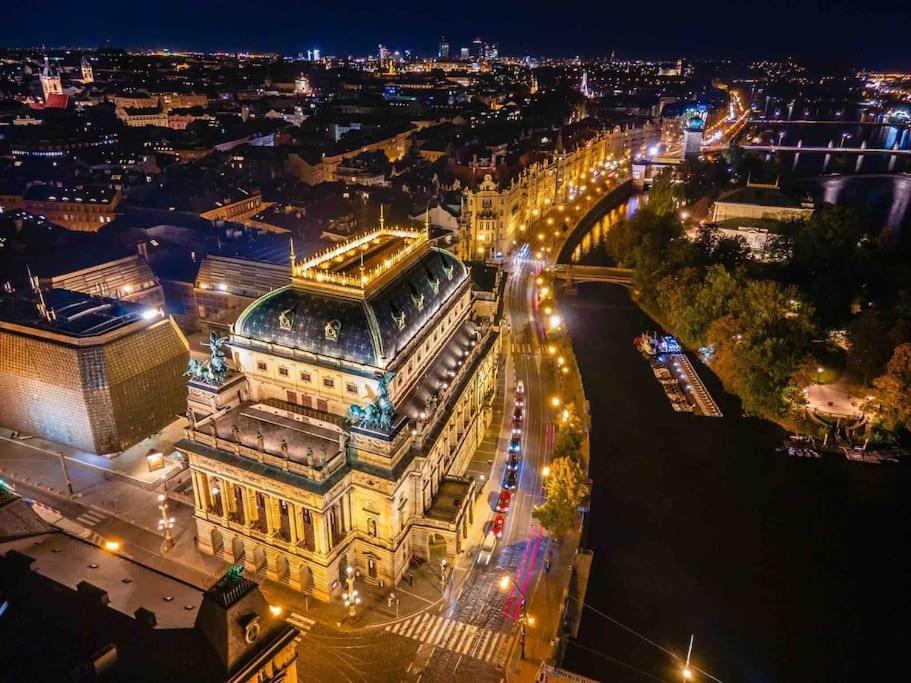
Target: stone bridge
<point>575,274</point>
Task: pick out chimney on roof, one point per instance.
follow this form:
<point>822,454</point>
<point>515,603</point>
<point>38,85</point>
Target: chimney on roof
<point>94,593</point>
<point>146,617</point>
<point>20,561</point>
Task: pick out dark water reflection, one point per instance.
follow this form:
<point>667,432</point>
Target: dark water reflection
<point>785,569</point>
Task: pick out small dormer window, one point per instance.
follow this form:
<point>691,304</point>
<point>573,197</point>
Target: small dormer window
<point>332,329</point>
<point>286,320</point>
<point>252,629</point>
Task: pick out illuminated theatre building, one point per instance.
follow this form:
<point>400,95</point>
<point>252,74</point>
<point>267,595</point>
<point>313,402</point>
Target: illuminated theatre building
<point>361,391</point>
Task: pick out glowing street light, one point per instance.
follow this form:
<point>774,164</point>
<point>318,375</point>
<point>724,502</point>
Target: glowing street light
<point>505,582</point>
<point>555,401</point>
<point>165,524</point>
<point>687,672</point>
<point>112,546</point>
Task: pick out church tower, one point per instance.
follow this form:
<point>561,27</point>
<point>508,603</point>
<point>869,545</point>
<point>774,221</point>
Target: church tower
<point>583,86</point>
<point>50,80</point>
<point>87,75</point>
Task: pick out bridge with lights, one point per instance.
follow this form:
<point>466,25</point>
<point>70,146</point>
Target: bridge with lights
<point>575,274</point>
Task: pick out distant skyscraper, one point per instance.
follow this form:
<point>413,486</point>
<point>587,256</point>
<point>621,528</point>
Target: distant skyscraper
<point>464,53</point>
<point>87,74</point>
<point>50,80</point>
<point>444,48</point>
<point>316,54</point>
<point>477,48</point>
<point>383,53</point>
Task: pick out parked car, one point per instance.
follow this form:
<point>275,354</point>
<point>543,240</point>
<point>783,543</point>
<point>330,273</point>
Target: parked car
<point>520,393</point>
<point>499,522</point>
<point>515,444</point>
<point>510,479</point>
<point>487,547</point>
<point>518,414</point>
<point>517,426</point>
<point>504,500</point>
<point>513,460</point>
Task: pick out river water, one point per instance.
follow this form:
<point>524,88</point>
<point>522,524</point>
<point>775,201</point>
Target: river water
<point>784,569</point>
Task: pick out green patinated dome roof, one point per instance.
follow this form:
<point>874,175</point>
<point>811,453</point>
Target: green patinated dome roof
<point>369,331</point>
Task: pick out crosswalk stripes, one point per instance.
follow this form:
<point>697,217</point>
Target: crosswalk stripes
<point>525,349</point>
<point>300,621</point>
<point>90,518</point>
<point>456,636</point>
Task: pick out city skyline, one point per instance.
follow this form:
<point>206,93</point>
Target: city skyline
<point>710,30</point>
<point>320,368</point>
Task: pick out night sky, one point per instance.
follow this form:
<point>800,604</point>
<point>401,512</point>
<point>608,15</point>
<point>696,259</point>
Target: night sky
<point>869,32</point>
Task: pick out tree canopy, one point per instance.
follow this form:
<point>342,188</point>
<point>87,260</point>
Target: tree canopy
<point>566,488</point>
<point>893,390</point>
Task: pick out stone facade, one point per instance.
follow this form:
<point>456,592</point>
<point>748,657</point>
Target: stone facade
<point>291,489</point>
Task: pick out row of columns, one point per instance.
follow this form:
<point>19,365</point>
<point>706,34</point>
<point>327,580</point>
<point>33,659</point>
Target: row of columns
<point>206,499</point>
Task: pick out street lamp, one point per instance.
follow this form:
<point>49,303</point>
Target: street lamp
<point>442,575</point>
<point>351,597</point>
<point>819,375</point>
<point>505,582</point>
<point>165,524</point>
<point>352,600</point>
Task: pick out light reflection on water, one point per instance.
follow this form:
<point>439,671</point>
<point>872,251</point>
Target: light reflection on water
<point>596,235</point>
<point>884,199</point>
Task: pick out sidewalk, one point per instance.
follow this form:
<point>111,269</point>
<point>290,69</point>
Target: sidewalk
<point>130,464</point>
<point>545,604</point>
<point>375,610</point>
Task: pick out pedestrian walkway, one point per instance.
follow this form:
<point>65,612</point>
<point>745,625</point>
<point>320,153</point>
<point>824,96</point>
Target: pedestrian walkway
<point>302,623</point>
<point>90,518</point>
<point>131,465</point>
<point>456,636</point>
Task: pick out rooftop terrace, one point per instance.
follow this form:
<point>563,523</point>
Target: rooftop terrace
<point>360,264</point>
